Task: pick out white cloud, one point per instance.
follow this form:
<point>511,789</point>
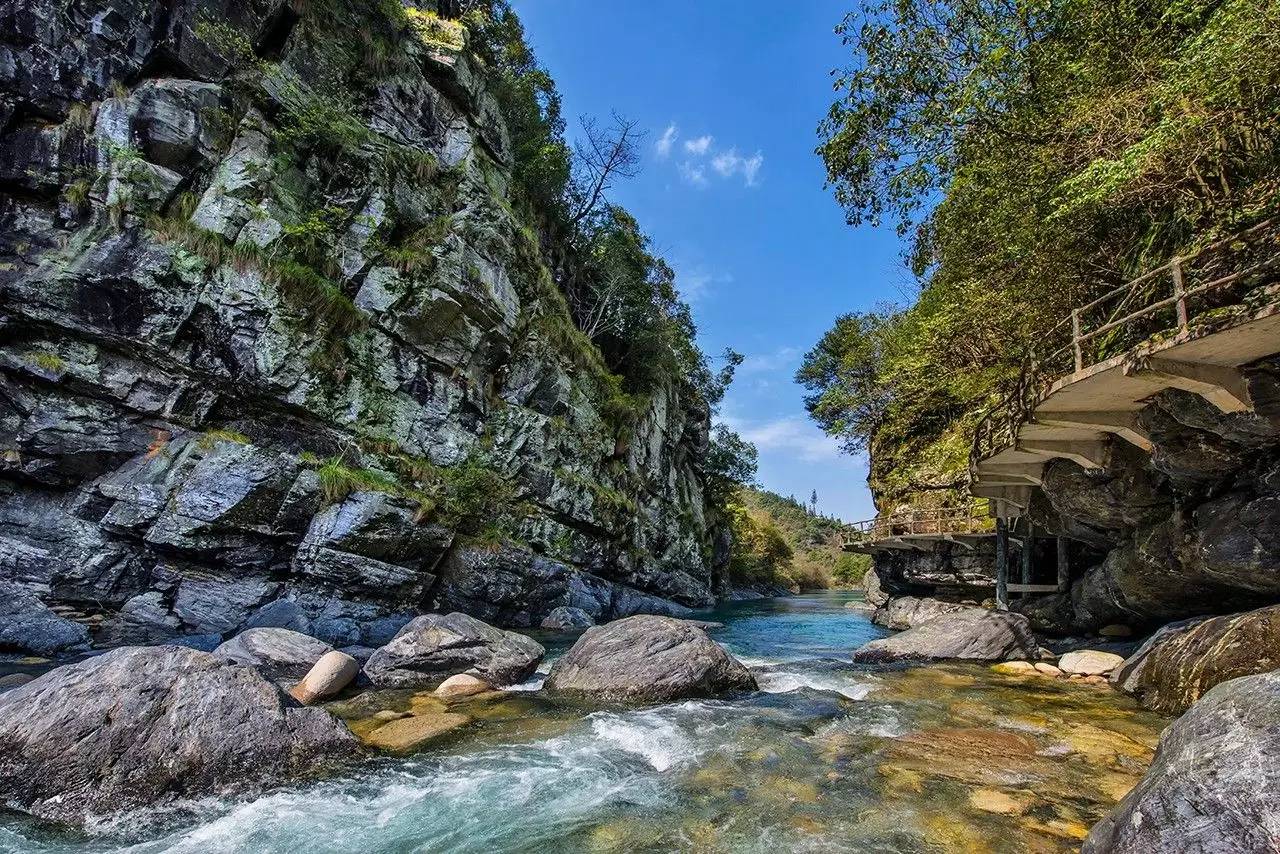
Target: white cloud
<point>694,173</point>
<point>699,146</point>
<point>697,282</point>
<point>729,163</point>
<point>782,359</point>
<point>790,434</point>
<point>668,138</point>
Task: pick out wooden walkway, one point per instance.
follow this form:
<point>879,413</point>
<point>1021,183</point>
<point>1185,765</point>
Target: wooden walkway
<point>1189,324</point>
<point>1192,324</point>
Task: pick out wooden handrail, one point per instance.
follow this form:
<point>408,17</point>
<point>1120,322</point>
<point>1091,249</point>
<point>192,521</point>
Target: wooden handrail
<point>997,427</point>
<point>925,521</point>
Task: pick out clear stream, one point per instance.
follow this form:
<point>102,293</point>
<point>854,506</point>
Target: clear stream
<point>827,757</point>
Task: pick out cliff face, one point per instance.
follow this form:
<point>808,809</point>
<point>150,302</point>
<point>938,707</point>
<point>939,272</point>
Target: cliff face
<point>275,348</point>
<point>1192,528</point>
<point>1189,529</point>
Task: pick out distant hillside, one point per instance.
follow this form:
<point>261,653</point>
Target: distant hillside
<point>778,540</point>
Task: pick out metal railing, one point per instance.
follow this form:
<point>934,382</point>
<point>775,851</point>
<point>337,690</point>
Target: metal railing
<point>974,519</point>
<point>1194,290</point>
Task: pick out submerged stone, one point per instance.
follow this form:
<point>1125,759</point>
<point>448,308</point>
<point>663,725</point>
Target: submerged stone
<point>406,734</point>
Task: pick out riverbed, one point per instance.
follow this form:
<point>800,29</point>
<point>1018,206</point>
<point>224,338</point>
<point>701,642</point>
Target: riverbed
<point>826,757</point>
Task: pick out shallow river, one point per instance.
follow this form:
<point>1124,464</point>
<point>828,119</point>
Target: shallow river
<point>828,757</point>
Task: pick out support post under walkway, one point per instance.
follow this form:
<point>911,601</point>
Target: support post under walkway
<point>1002,564</point>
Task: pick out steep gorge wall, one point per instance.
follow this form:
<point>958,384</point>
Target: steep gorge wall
<point>1189,529</point>
<point>275,348</point>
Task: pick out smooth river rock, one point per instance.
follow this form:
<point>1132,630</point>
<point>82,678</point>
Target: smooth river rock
<point>974,634</point>
<point>648,658</point>
<point>1089,662</point>
<point>1182,662</point>
<point>462,685</point>
<point>333,672</point>
<point>153,725</point>
<point>1214,785</point>
<point>567,618</point>
<point>435,646</point>
<point>276,652</point>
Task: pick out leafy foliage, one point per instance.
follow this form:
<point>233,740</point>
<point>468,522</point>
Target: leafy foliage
<point>1035,153</point>
<point>780,541</point>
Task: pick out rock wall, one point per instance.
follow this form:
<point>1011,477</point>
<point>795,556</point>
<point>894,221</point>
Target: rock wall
<point>1192,528</point>
<point>275,349</point>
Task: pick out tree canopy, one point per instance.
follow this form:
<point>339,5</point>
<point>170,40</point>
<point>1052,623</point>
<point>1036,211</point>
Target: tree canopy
<point>1032,153</point>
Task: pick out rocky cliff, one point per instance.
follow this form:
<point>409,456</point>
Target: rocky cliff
<point>275,348</point>
<point>1189,529</point>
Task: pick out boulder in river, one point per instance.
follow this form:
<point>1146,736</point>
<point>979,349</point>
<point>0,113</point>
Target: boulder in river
<point>276,652</point>
<point>1089,662</point>
<point>567,618</point>
<point>333,672</point>
<point>152,725</point>
<point>433,647</point>
<point>406,734</point>
<point>1214,785</point>
<point>28,625</point>
<point>462,685</point>
<point>648,658</point>
<point>1183,661</point>
<point>872,592</point>
<point>904,612</point>
<point>973,634</point>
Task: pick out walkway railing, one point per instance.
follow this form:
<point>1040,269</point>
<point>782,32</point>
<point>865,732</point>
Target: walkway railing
<point>1196,289</point>
<point>974,519</point>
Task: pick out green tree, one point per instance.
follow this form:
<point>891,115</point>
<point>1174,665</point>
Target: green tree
<point>1033,153</point>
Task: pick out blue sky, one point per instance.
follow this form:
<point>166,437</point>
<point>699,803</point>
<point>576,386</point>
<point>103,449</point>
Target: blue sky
<point>732,194</point>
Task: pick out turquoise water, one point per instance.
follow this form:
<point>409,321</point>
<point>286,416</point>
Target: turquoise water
<point>813,762</point>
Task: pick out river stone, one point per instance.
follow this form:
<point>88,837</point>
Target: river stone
<point>462,685</point>
<point>907,611</point>
<point>1015,668</point>
<point>1178,666</point>
<point>333,672</point>
<point>153,725</point>
<point>435,646</point>
<point>648,658</point>
<point>566,617</point>
<point>871,589</point>
<point>1089,662</point>
<point>1212,787</point>
<point>972,634</point>
<point>276,652</point>
<point>406,734</point>
<point>14,680</point>
<point>27,624</point>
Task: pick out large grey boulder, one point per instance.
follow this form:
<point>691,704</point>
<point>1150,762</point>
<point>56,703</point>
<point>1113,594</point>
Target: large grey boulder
<point>150,726</point>
<point>1214,786</point>
<point>904,612</point>
<point>974,634</point>
<point>648,658</point>
<point>872,590</point>
<point>276,652</point>
<point>1181,663</point>
<point>567,618</point>
<point>433,647</point>
<point>27,624</point>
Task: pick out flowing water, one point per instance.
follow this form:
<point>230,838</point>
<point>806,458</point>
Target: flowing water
<point>826,757</point>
